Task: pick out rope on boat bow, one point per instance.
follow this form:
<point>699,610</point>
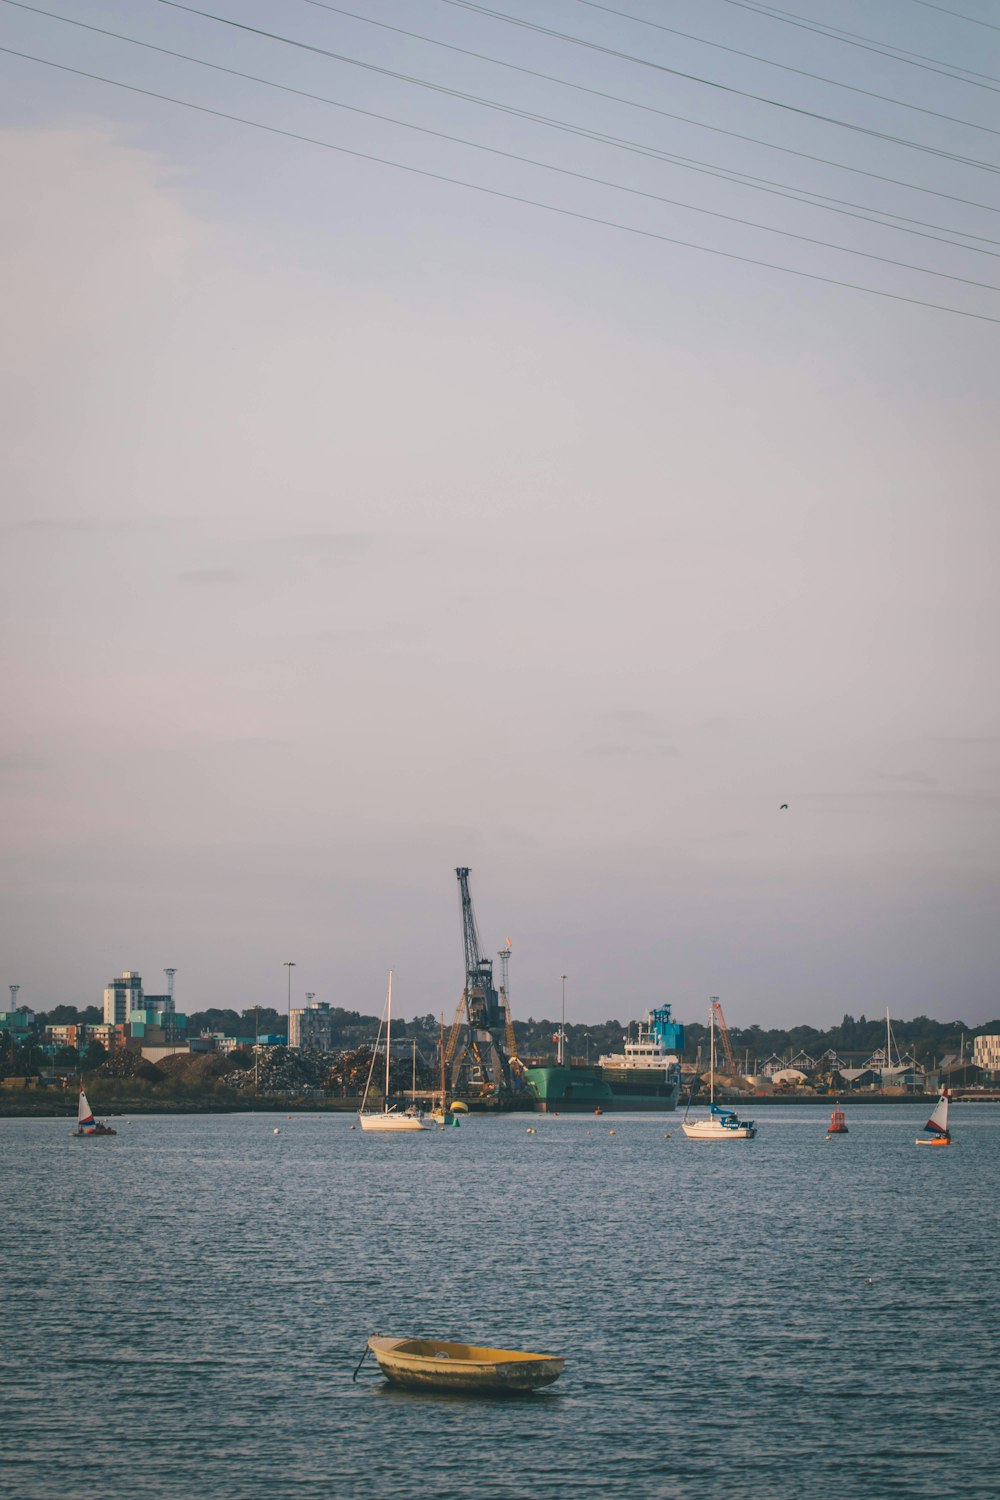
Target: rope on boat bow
<point>360,1363</point>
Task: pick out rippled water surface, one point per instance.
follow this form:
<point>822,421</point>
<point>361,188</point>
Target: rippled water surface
<point>183,1307</point>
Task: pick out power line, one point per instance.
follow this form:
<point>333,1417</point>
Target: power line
<point>547,166</point>
<point>567,213</point>
<point>954,71</point>
<point>785,67</point>
<point>646,62</point>
<point>652,109</point>
<point>955,15</point>
<point>273,36</point>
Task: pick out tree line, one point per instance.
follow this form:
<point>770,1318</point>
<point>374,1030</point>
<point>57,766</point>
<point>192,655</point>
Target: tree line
<point>924,1037</point>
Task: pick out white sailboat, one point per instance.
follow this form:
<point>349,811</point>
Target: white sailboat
<point>386,1118</point>
<point>85,1122</point>
<point>937,1130</point>
<point>721,1124</point>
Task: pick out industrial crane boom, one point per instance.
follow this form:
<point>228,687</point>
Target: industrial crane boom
<point>727,1045</point>
<point>485,1012</point>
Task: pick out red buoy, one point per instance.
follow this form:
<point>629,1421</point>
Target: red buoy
<point>837,1125</point>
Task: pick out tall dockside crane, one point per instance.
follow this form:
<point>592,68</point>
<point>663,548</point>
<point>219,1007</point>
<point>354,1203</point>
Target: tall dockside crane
<point>727,1046</point>
<point>477,1042</point>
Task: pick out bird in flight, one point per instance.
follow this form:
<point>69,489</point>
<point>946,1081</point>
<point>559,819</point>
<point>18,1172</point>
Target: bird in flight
<point>783,807</point>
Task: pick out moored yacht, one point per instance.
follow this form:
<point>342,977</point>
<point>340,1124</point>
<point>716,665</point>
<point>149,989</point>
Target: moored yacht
<point>721,1124</point>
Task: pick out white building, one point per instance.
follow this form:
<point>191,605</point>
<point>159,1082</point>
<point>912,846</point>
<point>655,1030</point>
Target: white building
<point>986,1053</point>
<point>312,1026</point>
<point>122,997</point>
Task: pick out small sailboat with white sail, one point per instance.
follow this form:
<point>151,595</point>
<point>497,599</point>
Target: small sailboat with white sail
<point>388,1117</point>
<point>936,1129</point>
<point>721,1124</point>
<point>85,1122</point>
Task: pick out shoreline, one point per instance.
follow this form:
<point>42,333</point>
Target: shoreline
<point>33,1107</point>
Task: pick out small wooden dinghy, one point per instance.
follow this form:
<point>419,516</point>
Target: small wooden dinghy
<point>463,1367</point>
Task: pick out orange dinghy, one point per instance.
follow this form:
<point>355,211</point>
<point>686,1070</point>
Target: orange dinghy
<point>937,1130</point>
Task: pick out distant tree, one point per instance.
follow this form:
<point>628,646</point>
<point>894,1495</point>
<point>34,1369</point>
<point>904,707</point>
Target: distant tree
<point>27,1058</point>
<point>93,1056</point>
<point>67,1057</point>
<point>62,1015</point>
<point>226,1021</point>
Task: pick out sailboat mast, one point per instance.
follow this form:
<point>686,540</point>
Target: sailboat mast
<point>442,1060</point>
<point>711,1064</point>
<point>388,1041</point>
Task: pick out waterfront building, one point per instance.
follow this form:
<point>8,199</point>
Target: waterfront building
<point>122,996</point>
<point>861,1078</point>
<point>105,1032</point>
<point>156,1023</point>
<point>986,1053</point>
<point>774,1064</point>
<point>961,1074</point>
<point>311,1026</point>
<point>71,1035</point>
<point>225,1044</point>
<point>20,1023</point>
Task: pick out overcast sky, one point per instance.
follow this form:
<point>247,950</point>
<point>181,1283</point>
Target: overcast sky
<point>358,524</point>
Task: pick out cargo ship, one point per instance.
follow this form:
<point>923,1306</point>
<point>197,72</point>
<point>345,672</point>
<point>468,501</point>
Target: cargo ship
<point>645,1076</point>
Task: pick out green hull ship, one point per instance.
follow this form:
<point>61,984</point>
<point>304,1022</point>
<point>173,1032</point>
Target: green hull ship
<point>646,1076</point>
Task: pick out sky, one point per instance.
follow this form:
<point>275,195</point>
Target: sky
<point>374,503</point>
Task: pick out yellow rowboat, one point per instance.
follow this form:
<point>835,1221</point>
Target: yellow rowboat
<point>463,1367</point>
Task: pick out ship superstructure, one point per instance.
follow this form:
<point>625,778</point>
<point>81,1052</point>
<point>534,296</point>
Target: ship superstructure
<point>657,1045</point>
<point>645,1075</point>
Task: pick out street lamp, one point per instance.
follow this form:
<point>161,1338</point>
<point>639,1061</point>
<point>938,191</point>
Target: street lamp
<point>290,965</point>
<point>562,1028</point>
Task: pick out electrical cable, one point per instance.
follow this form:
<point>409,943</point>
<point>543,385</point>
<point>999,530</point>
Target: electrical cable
<point>969,161</point>
<point>645,62</point>
<point>787,67</point>
<point>955,15</point>
<point>567,213</point>
<point>652,109</point>
<point>530,161</point>
<point>954,71</point>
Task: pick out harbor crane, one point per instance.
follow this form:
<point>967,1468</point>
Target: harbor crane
<point>477,1043</point>
<point>727,1046</point>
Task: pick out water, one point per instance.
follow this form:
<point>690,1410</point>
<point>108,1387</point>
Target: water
<point>183,1307</point>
